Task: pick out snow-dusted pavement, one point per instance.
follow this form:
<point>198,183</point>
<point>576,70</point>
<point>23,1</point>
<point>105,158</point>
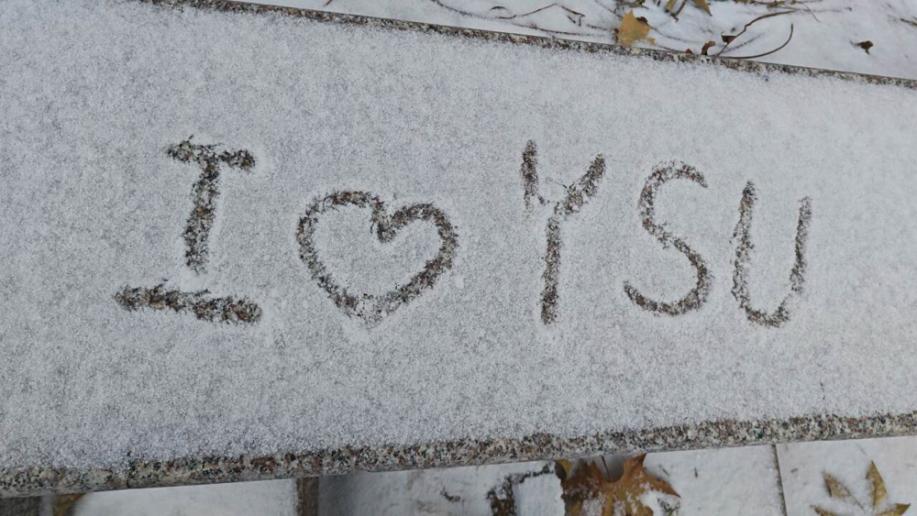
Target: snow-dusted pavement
<point>79,134</point>
<point>558,267</point>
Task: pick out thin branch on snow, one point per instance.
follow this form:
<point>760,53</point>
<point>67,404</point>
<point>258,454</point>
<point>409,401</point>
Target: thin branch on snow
<point>781,47</point>
<point>518,19</point>
<point>747,25</point>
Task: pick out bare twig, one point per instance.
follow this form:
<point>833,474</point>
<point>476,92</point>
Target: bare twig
<point>518,19</point>
<point>603,6</point>
<point>787,4</point>
<point>747,25</point>
<point>747,42</point>
<point>680,9</point>
<point>536,11</point>
<point>781,47</point>
<point>659,31</point>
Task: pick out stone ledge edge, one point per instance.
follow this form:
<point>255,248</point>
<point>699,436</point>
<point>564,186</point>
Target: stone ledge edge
<point>33,481</point>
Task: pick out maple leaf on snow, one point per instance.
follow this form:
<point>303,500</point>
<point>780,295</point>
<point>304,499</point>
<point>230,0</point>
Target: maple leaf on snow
<point>586,484</point>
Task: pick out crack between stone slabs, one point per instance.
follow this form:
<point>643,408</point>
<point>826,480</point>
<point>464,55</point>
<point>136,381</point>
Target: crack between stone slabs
<point>780,491</point>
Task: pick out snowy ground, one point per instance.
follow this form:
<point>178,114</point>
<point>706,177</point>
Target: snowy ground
<point>266,498</point>
<point>825,33</point>
<point>727,482</point>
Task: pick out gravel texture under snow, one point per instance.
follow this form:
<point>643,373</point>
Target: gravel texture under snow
<point>92,93</point>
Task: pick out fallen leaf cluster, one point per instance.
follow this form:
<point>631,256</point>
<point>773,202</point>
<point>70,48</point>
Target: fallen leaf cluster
<point>878,495</point>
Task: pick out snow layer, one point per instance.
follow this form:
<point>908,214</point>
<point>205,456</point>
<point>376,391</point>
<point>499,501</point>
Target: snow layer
<point>93,92</point>
<point>724,481</point>
<point>267,498</point>
<point>804,465</point>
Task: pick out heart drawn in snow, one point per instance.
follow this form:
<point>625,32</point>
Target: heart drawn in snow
<point>373,309</point>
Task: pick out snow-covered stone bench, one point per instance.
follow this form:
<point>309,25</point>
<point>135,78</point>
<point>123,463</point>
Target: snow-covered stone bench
<point>246,242</point>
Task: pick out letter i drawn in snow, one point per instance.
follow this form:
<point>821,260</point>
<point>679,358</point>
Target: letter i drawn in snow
<point>196,236</point>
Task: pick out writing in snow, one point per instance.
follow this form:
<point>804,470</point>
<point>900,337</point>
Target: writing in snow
<point>373,308</point>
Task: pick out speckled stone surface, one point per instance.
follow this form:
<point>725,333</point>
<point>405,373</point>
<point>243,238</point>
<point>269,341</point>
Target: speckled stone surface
<point>293,463</point>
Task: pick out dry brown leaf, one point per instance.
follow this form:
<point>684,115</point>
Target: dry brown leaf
<point>878,491</point>
<point>702,4</point>
<point>898,510</point>
<point>836,489</point>
<point>565,466</point>
<point>632,30</point>
<point>706,47</point>
<point>621,496</point>
<point>580,486</point>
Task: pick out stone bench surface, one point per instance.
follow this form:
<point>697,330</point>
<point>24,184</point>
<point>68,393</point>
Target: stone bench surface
<point>247,242</point>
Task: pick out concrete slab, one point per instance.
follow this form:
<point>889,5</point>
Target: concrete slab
<point>394,245</point>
